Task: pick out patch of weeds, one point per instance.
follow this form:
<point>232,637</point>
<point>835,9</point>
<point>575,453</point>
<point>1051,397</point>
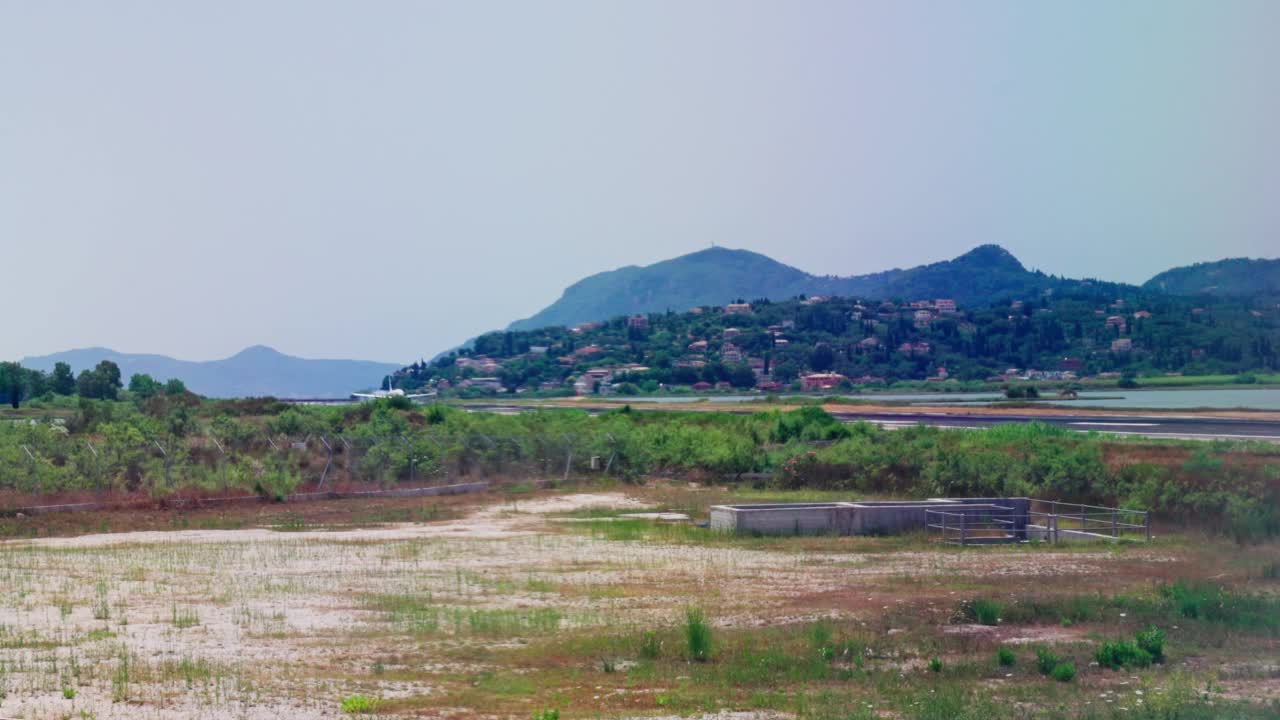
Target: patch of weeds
<point>1151,640</point>
<point>820,639</point>
<point>184,617</point>
<point>507,622</point>
<point>188,670</point>
<point>1214,603</point>
<point>505,684</point>
<point>101,605</point>
<point>951,704</point>
<point>547,714</point>
<point>416,614</point>
<point>541,586</point>
<point>697,635</point>
<point>982,611</point>
<point>69,693</point>
<point>650,645</point>
<point>1005,657</point>
<point>1065,611</point>
<point>290,522</point>
<point>935,665</point>
<point>1063,672</point>
<point>1117,654</point>
<point>1046,661</point>
<point>359,704</point>
<point>121,676</point>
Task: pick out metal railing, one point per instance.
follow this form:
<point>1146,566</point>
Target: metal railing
<point>1094,520</point>
<point>1051,521</point>
<point>961,526</point>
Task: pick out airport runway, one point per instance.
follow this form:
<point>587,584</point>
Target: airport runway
<point>1186,427</point>
<point>1171,426</point>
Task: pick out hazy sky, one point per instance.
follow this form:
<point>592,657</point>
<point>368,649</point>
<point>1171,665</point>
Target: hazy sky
<point>383,180</point>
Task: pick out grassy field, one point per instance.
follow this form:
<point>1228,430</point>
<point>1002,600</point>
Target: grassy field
<point>542,604</point>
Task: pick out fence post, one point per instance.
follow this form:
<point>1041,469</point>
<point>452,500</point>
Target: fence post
<point>964,522</point>
<point>1146,521</point>
<point>943,515</point>
<point>1115,526</point>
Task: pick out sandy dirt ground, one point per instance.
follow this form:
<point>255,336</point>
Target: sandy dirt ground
<point>256,623</point>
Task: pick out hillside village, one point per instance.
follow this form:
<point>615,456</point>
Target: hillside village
<point>820,343</point>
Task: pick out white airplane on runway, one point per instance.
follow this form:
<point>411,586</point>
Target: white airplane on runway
<point>392,393</point>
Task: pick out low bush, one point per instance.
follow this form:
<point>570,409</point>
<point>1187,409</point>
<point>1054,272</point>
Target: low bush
<point>1005,657</point>
<point>1046,661</point>
<point>1063,672</point>
<point>359,704</point>
<point>1151,640</point>
<point>1117,654</point>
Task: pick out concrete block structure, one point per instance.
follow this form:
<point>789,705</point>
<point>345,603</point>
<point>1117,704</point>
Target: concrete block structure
<point>884,517</point>
<point>965,521</point>
<point>850,518</point>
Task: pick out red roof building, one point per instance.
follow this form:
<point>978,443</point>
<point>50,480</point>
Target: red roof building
<point>821,381</point>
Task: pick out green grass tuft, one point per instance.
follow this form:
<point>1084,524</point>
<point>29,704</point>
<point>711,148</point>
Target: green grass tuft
<point>1005,657</point>
<point>359,705</point>
<point>697,635</point>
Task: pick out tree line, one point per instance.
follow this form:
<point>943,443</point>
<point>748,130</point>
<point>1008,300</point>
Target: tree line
<point>102,382</point>
<point>169,444</point>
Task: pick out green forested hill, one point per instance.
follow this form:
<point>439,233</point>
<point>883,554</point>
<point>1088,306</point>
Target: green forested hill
<point>720,275</point>
<point>1235,277</point>
<point>712,276</point>
<point>1072,326</point>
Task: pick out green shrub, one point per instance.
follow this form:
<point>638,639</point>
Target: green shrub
<point>1152,641</point>
<point>277,480</point>
<point>1005,657</point>
<point>697,635</point>
<point>1046,661</point>
<point>359,704</point>
<point>1063,672</point>
<point>436,414</point>
<point>547,714</point>
<point>1117,654</point>
<point>935,665</point>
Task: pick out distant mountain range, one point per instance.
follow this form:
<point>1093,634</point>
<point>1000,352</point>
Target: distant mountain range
<point>986,274</point>
<point>719,275</point>
<point>252,372</point>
